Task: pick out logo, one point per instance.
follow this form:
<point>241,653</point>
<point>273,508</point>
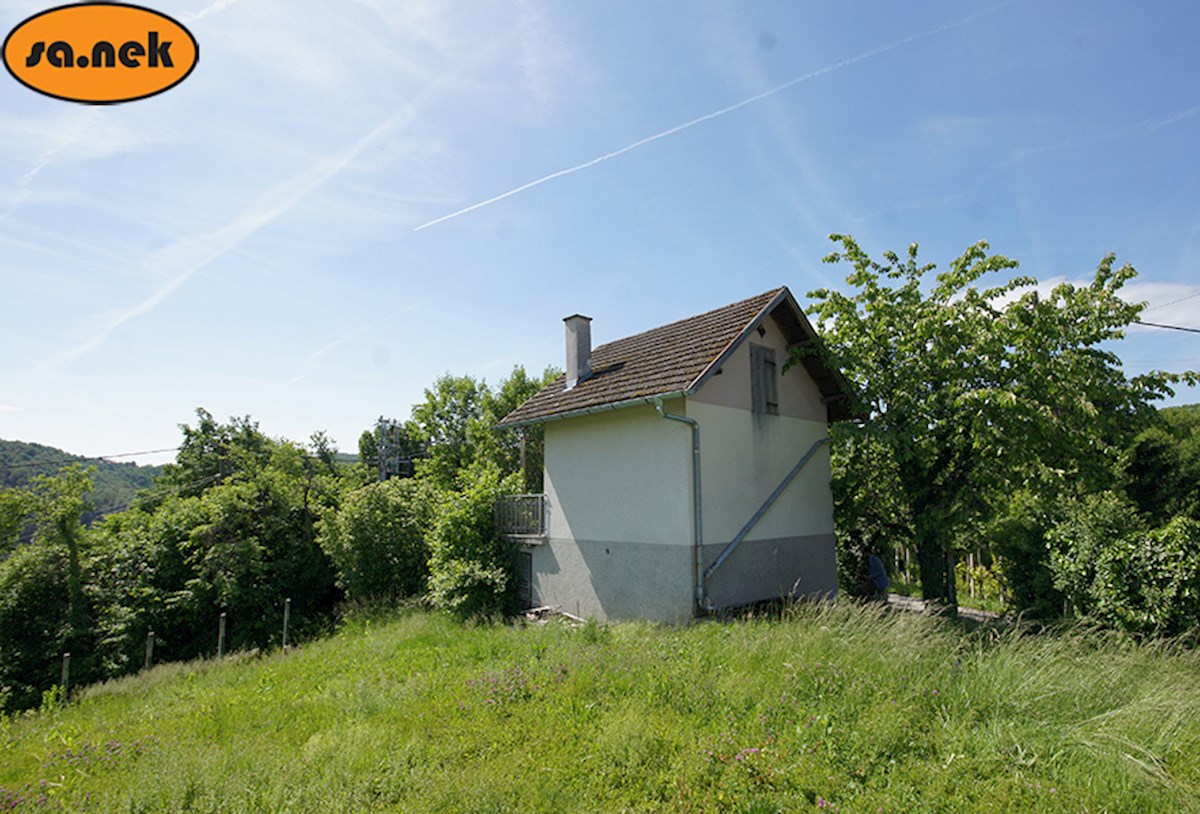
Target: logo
<point>100,53</point>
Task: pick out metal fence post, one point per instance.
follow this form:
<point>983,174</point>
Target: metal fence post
<point>287,612</point>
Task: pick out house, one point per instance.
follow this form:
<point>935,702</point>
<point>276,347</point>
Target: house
<point>685,470</point>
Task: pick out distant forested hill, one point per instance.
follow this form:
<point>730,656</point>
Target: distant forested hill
<point>1187,413</point>
<point>115,483</point>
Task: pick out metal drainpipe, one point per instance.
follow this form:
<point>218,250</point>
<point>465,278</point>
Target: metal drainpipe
<point>697,550</point>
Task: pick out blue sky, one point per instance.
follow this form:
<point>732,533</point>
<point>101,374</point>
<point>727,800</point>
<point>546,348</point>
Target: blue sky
<point>346,200</point>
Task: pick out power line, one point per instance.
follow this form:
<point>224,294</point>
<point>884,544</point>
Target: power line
<point>153,494</point>
<point>143,452</point>
<point>1158,324</point>
<point>77,458</point>
<point>1172,302</point>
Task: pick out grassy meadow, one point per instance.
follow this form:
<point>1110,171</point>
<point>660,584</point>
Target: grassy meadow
<point>831,708</point>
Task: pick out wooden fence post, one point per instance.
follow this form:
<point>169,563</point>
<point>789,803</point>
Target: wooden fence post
<point>149,649</point>
<point>66,675</point>
<point>287,612</point>
<point>221,636</point>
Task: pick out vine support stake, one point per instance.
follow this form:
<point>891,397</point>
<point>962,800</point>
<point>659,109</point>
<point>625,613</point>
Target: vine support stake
<point>66,675</point>
<point>287,612</point>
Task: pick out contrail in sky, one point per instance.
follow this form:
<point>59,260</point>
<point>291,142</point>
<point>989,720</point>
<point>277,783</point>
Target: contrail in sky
<point>883,49</point>
<point>190,254</point>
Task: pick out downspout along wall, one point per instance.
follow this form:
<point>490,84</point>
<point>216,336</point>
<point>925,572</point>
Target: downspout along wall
<point>701,606</point>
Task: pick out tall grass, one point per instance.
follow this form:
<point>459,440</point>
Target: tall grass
<point>832,708</point>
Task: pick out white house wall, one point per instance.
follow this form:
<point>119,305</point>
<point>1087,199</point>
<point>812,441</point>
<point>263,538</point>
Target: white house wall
<point>791,550</point>
<point>619,506</point>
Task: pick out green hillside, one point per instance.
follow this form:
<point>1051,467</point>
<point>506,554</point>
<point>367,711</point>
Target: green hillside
<point>115,484</point>
<point>831,709</point>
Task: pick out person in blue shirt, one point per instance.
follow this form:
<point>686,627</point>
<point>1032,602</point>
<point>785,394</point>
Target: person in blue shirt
<point>875,580</point>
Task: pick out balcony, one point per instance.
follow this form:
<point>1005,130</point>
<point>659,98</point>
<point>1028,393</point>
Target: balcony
<point>521,518</point>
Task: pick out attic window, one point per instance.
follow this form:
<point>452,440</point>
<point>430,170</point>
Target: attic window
<point>764,390</point>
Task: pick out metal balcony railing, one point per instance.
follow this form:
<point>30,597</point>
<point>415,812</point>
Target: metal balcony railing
<point>521,518</point>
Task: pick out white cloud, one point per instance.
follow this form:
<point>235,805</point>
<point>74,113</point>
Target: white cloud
<point>1168,303</point>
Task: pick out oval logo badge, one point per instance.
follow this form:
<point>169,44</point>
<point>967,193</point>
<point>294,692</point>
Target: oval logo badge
<point>100,53</point>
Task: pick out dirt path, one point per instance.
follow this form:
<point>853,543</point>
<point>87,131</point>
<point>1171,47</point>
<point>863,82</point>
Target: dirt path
<point>913,604</point>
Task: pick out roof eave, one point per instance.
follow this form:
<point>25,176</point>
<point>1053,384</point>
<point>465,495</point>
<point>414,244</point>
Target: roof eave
<point>810,335</point>
<point>716,364</point>
<point>592,410</point>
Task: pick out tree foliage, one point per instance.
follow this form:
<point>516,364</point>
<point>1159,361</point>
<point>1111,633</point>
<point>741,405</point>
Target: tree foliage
<point>471,568</point>
<point>972,392</point>
<point>212,451</point>
<point>1144,581</point>
<point>1160,471</point>
<point>457,423</point>
<point>241,522</point>
<point>241,547</point>
<point>376,539</point>
<point>16,514</point>
<point>33,623</point>
<point>44,609</point>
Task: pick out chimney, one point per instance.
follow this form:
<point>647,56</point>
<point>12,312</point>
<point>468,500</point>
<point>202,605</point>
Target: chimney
<point>579,348</point>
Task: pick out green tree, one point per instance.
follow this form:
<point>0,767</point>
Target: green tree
<point>325,450</point>
<point>33,623</point>
<point>457,423</point>
<point>242,547</point>
<point>1160,471</point>
<point>471,568</point>
<point>974,392</point>
<point>60,502</point>
<point>44,609</point>
<point>16,513</point>
<point>368,449</point>
<point>1087,527</point>
<point>869,512</point>
<point>1013,536</point>
<point>212,451</point>
<point>513,450</point>
<point>446,422</point>
<point>376,539</point>
<point>1146,582</point>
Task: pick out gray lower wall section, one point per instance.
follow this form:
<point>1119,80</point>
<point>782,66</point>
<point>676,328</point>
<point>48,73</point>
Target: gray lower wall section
<point>613,580</point>
<point>768,569</point>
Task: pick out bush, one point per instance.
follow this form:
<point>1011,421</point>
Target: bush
<point>1017,538</point>
<point>1149,582</point>
<point>471,570</point>
<point>1089,526</point>
<point>1115,572</point>
<point>34,624</point>
<point>377,539</point>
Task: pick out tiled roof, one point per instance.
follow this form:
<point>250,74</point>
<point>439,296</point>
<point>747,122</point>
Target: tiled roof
<point>663,361</point>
